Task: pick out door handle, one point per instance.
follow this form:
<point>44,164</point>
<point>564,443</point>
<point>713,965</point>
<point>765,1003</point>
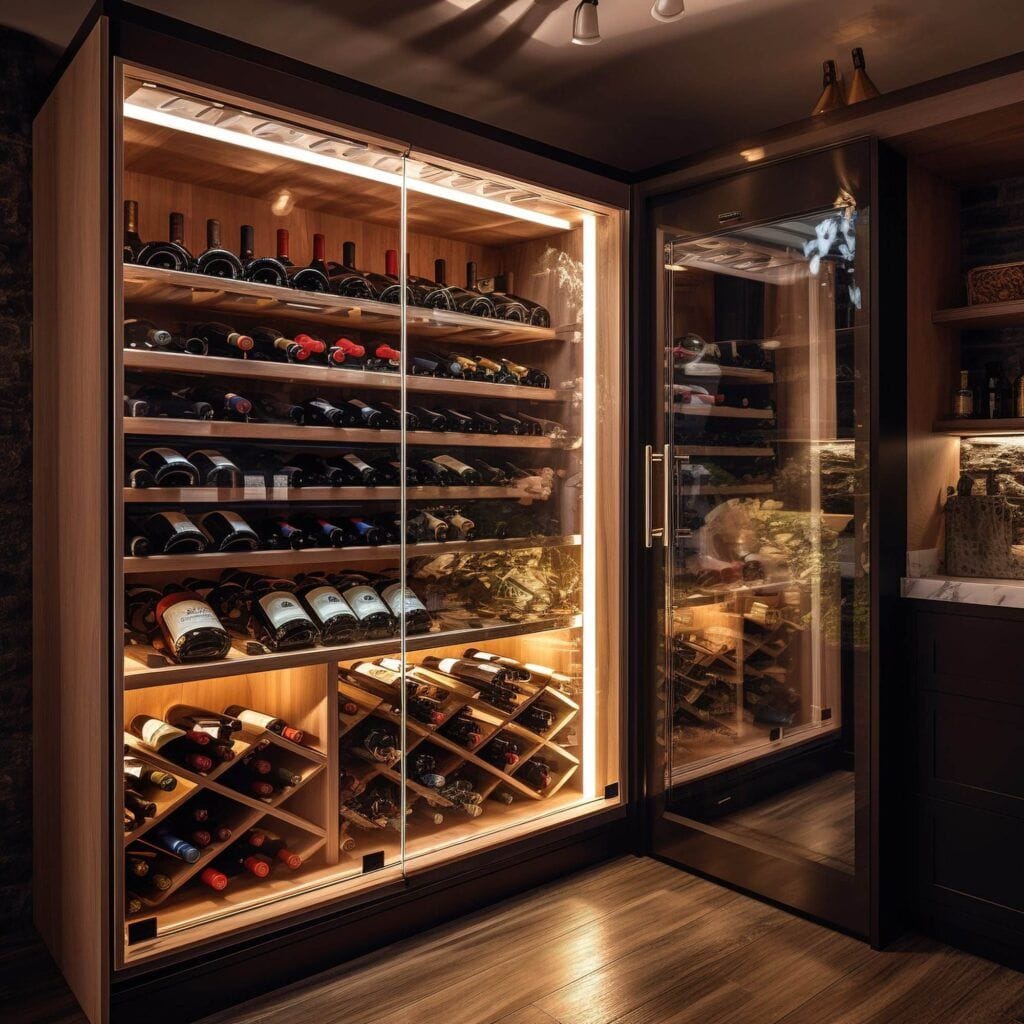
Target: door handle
<point>652,458</point>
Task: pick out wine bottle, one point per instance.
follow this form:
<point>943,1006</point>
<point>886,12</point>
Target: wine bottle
<point>227,405</point>
<point>228,531</point>
<point>427,293</point>
<point>374,615</point>
<point>508,424</point>
<point>537,719</point>
<point>430,526</point>
<point>137,866</point>
<point>490,475</point>
<point>457,421</point>
<point>465,300</point>
<point>215,260</point>
<point>336,621</point>
<point>172,743</point>
<point>144,334</point>
<point>322,413</point>
<point>215,469</point>
<point>189,628</point>
<point>169,468</point>
<point>132,243</point>
<point>471,670</point>
<point>529,376</point>
<point>377,744</point>
<point>150,885</point>
<point>381,357</point>
<point>345,279</point>
<point>316,472</point>
<point>278,618</point>
<point>356,471</point>
<point>421,366</point>
<point>232,863</point>
<point>429,418</point>
<point>263,269</point>
<point>173,533</point>
<point>222,339</point>
<point>464,730</point>
<point>501,752</point>
<point>135,407</point>
<point>402,602</point>
<point>466,475</point>
<point>422,768</point>
<point>261,720</point>
<point>483,424</point>
<point>345,350</point>
<point>389,470</point>
<point>536,772</point>
<point>271,409</point>
<point>273,847</point>
<point>307,279</point>
<point>366,415</point>
<point>272,345</point>
<point>138,773</point>
<point>515,669</point>
<point>169,255</point>
<point>392,417</point>
<point>220,728</point>
<point>506,307</point>
<point>139,805</point>
<point>391,291</point>
<point>177,405</point>
<point>322,532</point>
<point>432,473</point>
<point>461,527</point>
<point>360,532</point>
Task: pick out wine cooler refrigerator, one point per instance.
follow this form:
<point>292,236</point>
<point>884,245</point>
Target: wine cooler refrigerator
<point>330,495</point>
<point>764,505</point>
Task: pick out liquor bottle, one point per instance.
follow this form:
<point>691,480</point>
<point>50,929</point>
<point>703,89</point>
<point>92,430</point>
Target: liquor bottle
<point>271,409</point>
<point>223,340</point>
<point>422,768</point>
<point>831,97</point>
<point>273,346</point>
<point>166,404</point>
<point>322,413</point>
<point>189,628</point>
<point>173,533</point>
<point>490,475</point>
<point>963,398</point>
<point>430,418</point>
<point>366,415</point>
<point>483,424</point>
<point>995,404</point>
<point>261,720</point>
<point>460,527</point>
<point>227,405</point>
<point>262,269</point>
<point>401,601</point>
<point>308,279</point>
<point>528,376</point>
<point>172,743</point>
<point>465,475</point>
<point>132,243</point>
<point>278,534</point>
<point>374,615</point>
<point>381,357</point>
<point>501,752</point>
<point>144,334</point>
<point>215,469</point>
<point>345,279</point>
<point>336,621</point>
<point>278,618</point>
<point>228,531</point>
<point>861,86</point>
<point>430,526</point>
<point>215,260</point>
<point>169,255</point>
<point>466,300</point>
<point>138,774</point>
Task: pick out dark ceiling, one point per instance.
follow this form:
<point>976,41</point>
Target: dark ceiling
<point>649,92</point>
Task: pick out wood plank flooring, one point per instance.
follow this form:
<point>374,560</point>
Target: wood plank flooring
<point>631,942</point>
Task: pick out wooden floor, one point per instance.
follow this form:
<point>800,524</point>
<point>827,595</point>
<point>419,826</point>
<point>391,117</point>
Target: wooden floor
<point>631,942</point>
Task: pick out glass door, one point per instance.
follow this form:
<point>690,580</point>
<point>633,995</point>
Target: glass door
<point>766,334</point>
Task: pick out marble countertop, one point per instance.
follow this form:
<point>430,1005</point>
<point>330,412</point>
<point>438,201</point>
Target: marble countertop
<point>965,590</point>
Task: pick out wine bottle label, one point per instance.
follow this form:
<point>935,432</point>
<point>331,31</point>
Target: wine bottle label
<point>354,460</point>
<point>365,601</point>
<point>169,455</point>
<point>156,734</point>
<point>216,459</point>
<point>450,463</point>
<point>186,615</point>
<point>401,600</point>
<point>282,607</point>
<point>178,522</point>
<point>236,522</point>
<point>257,719</point>
<point>328,604</point>
<point>379,672</point>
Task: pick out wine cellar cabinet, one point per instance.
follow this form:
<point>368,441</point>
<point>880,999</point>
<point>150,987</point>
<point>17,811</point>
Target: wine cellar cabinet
<point>329,484</point>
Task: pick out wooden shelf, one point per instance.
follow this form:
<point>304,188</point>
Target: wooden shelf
<point>975,428</point>
<point>330,556</point>
<point>696,491</point>
<point>138,676</point>
<point>721,411</point>
<point>199,296</point>
<point>144,426</point>
<point>236,495</point>
<point>742,374</point>
<point>724,450</point>
<point>341,377</point>
<point>992,315</point>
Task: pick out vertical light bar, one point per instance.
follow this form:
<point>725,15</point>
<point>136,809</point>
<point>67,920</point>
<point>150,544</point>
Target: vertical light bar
<point>591,495</point>
<point>403,328</point>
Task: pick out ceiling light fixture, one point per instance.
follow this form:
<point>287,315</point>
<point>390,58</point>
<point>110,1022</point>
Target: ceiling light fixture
<point>584,24</point>
<point>668,10</point>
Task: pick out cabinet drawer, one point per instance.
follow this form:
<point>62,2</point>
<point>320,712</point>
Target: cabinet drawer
<point>972,751</point>
<point>971,656</point>
<point>968,860</point>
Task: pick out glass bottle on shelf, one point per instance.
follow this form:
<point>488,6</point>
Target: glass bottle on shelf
<point>963,398</point>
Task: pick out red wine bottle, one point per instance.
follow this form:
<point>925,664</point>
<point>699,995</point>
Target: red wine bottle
<point>336,621</point>
<point>273,346</point>
<point>169,255</point>
<point>323,413</point>
<point>189,628</point>
<point>345,279</point>
<point>389,288</point>
<point>172,743</point>
<point>173,533</point>
<point>261,720</point>
<point>278,619</point>
<point>215,260</point>
<point>133,245</point>
<point>223,340</point>
<point>467,300</point>
<point>168,468</point>
<point>260,269</point>
<point>139,774</point>
<point>214,469</point>
<point>382,357</point>
<point>227,405</point>
<point>374,615</point>
<point>228,531</point>
<point>307,279</point>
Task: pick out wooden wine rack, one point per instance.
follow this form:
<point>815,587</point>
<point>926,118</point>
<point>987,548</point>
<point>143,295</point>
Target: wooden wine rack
<point>246,810</point>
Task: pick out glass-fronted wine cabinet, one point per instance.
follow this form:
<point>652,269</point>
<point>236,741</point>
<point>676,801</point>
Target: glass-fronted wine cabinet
<point>364,454</point>
<point>758,520</point>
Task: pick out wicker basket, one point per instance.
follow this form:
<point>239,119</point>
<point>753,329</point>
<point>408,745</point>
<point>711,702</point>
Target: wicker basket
<point>1001,282</point>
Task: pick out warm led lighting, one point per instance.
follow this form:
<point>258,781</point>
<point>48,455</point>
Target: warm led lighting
<point>332,163</point>
<point>752,155</point>
<point>591,495</point>
<point>283,204</point>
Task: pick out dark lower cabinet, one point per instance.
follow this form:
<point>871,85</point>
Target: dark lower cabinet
<point>968,785</point>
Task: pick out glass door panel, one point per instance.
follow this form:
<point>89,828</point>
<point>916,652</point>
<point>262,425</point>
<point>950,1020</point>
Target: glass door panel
<point>767,332</point>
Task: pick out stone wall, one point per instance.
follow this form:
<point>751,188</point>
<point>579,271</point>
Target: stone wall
<point>19,85</point>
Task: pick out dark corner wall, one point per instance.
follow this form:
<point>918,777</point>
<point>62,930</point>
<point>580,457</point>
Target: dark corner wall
<point>20,79</point>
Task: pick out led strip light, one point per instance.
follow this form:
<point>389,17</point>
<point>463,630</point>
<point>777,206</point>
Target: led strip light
<point>332,163</point>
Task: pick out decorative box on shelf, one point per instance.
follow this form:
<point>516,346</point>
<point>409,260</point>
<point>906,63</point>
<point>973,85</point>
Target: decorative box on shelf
<point>999,282</point>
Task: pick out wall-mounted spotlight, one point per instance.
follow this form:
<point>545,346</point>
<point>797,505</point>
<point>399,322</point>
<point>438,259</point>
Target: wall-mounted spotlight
<point>668,10</point>
<point>584,24</point>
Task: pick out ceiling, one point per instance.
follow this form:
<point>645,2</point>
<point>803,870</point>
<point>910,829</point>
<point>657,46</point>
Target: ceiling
<point>648,93</point>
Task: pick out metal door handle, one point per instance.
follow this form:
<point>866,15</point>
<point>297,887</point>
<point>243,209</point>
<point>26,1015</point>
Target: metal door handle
<point>663,458</point>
